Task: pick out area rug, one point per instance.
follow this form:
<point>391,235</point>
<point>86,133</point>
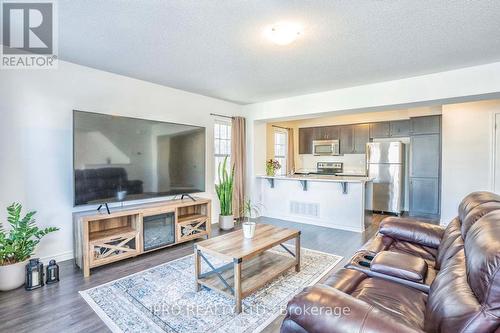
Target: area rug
<point>163,299</point>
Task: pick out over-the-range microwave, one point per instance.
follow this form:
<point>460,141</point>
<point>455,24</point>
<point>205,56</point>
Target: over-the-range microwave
<point>326,147</point>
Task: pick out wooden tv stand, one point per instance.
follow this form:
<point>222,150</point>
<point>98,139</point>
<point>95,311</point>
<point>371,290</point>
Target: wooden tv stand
<point>102,238</point>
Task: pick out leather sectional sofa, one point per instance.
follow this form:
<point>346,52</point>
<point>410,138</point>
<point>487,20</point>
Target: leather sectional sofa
<point>413,277</point>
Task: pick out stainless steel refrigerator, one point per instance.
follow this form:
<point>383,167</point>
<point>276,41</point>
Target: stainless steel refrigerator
<point>385,163</point>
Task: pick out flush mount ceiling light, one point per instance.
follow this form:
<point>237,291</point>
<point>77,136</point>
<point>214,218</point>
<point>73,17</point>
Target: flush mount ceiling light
<point>283,33</point>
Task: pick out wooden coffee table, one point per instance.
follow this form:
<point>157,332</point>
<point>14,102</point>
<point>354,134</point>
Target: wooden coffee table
<point>251,266</point>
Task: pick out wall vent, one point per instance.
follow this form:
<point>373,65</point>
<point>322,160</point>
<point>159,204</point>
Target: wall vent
<point>304,208</point>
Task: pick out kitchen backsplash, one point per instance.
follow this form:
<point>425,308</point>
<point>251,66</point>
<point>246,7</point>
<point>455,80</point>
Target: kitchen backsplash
<point>353,163</point>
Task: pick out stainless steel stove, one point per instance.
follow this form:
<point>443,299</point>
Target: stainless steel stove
<point>328,168</point>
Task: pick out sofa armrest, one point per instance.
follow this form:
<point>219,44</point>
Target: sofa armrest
<point>400,265</point>
<point>376,244</point>
<point>322,309</point>
<point>413,231</point>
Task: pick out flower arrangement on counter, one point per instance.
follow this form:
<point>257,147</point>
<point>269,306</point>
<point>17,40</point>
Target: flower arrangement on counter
<point>272,166</point>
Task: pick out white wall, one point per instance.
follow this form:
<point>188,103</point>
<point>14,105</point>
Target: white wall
<point>470,81</point>
<point>36,134</point>
<point>467,152</point>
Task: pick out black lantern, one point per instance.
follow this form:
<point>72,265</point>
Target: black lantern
<point>52,275</point>
<point>34,274</point>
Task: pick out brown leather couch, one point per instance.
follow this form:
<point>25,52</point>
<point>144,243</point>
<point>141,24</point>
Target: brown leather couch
<point>420,278</point>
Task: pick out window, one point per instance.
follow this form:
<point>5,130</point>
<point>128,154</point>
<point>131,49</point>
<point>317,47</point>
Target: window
<point>280,150</point>
<point>222,141</point>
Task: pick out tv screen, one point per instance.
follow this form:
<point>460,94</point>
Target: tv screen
<point>119,158</point>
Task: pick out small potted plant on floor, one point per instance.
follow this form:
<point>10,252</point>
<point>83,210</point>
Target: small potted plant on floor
<point>248,210</point>
<point>225,194</point>
<point>272,166</point>
<point>17,246</point>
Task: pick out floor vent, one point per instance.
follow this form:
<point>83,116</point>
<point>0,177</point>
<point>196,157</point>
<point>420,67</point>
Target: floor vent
<point>304,208</point>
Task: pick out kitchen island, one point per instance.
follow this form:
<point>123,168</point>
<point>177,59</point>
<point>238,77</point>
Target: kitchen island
<point>325,200</point>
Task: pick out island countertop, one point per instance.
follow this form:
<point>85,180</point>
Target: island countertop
<point>324,200</point>
<point>322,178</point>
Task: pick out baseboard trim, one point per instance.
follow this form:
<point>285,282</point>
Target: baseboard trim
<point>68,255</point>
<point>319,223</point>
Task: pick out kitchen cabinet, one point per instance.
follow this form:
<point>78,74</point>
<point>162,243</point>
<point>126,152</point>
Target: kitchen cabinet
<point>425,125</point>
<point>326,133</point>
<point>425,166</point>
<point>361,138</point>
<point>425,155</point>
<point>332,132</point>
<point>305,140</point>
<point>399,128</point>
<point>380,130</point>
<point>308,134</point>
<point>353,138</point>
<point>424,197</point>
<point>390,129</point>
<point>346,139</point>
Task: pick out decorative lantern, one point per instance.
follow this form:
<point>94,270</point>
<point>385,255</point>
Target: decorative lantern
<point>52,275</point>
<point>34,274</point>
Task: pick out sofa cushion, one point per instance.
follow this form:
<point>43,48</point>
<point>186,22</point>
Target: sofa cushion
<point>424,252</point>
<point>452,303</point>
<point>401,302</point>
<point>482,247</point>
<point>431,275</point>
<point>451,234</point>
<point>465,296</point>
<point>345,280</point>
<point>400,265</point>
<point>473,200</point>
<point>411,230</point>
<point>308,312</point>
<point>476,213</point>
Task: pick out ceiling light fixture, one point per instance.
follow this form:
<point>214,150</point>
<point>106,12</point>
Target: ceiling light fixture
<point>283,33</point>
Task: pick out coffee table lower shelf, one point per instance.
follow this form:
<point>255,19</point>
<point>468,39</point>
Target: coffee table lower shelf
<point>255,273</point>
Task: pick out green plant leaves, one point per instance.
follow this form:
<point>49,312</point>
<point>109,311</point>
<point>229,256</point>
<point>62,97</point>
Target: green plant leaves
<point>19,243</point>
<point>225,188</point>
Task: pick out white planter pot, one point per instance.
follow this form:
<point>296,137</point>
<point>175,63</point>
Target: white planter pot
<point>226,222</point>
<point>248,229</point>
<point>12,276</point>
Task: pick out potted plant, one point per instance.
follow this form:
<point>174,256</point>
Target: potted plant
<point>272,166</point>
<point>225,194</point>
<point>17,246</point>
<point>248,210</point>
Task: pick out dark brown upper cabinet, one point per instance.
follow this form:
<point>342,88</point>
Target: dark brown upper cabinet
<point>347,140</point>
<point>326,133</point>
<point>380,130</point>
<point>305,140</point>
<point>400,128</point>
<point>353,138</point>
<point>390,129</point>
<point>425,125</point>
<point>361,138</point>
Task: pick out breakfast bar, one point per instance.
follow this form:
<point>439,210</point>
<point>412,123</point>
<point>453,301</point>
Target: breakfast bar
<point>325,200</point>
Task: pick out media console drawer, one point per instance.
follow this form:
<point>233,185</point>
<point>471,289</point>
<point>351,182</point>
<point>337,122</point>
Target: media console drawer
<point>102,238</point>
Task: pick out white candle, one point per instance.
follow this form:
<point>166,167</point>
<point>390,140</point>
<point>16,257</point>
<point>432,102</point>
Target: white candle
<point>35,281</point>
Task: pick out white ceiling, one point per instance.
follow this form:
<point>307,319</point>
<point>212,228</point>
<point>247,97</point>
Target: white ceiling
<point>216,47</point>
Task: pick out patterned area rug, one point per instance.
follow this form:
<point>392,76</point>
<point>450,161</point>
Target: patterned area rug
<point>162,299</point>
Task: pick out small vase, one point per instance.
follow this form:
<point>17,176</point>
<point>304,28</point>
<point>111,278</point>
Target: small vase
<point>226,222</point>
<point>270,172</point>
<point>120,195</point>
<point>12,276</point>
<point>248,229</point>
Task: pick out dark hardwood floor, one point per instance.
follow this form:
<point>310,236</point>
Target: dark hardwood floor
<point>59,307</point>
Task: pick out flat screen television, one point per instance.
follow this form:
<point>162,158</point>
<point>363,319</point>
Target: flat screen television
<point>119,159</point>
